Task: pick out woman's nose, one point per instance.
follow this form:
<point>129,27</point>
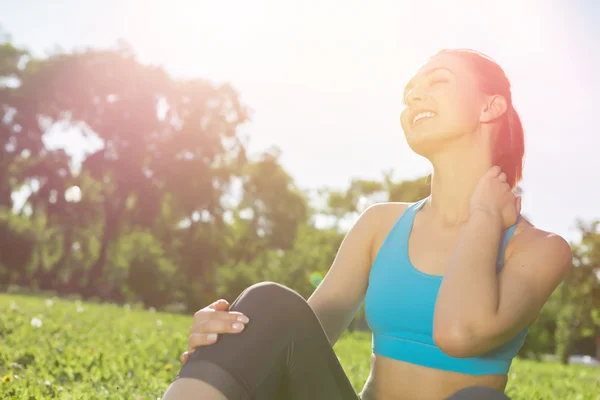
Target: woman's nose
<point>415,96</point>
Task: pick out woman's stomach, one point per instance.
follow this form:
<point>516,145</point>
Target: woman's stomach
<point>391,379</point>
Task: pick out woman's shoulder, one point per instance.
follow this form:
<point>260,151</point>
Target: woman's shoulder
<point>386,213</point>
<point>527,234</point>
<point>390,207</point>
<point>383,217</point>
<point>535,242</point>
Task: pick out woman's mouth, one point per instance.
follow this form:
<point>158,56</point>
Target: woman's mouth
<point>422,116</point>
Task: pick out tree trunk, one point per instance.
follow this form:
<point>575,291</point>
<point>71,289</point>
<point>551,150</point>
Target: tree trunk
<point>50,278</point>
<point>111,225</point>
<point>569,332</point>
<point>27,280</point>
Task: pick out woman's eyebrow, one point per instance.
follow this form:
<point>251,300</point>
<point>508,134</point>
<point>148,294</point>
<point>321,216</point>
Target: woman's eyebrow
<point>411,83</point>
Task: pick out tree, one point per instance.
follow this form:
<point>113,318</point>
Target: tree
<point>408,191</point>
<point>579,294</point>
<point>300,267</point>
<point>159,137</point>
<point>18,136</point>
<point>17,244</point>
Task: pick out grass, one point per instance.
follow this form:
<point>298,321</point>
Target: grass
<point>60,349</point>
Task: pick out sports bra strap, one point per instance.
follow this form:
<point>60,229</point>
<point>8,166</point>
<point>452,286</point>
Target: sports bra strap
<point>507,235</point>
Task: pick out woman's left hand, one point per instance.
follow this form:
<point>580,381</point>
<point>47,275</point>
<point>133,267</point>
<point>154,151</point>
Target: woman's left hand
<point>494,195</point>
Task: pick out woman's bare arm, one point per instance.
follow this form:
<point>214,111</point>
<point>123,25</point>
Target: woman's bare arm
<point>477,310</point>
<point>341,293</point>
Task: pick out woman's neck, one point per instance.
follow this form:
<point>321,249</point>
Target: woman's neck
<point>455,177</point>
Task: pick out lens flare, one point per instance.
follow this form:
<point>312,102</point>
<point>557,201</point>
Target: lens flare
<point>315,279</point>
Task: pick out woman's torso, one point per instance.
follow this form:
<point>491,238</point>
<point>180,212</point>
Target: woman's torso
<point>429,250</point>
<point>397,380</point>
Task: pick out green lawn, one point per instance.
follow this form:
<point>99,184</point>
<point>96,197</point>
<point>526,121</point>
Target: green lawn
<point>71,350</point>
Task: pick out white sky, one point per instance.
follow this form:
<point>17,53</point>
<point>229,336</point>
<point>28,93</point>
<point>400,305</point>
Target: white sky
<point>324,78</point>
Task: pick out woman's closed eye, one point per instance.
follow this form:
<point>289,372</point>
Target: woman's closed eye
<point>431,82</point>
<point>437,81</point>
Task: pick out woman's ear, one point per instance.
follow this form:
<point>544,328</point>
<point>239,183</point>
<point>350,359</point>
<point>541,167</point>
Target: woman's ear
<point>494,108</point>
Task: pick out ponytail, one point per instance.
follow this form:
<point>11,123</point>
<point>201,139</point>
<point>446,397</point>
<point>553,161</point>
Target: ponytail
<point>509,145</point>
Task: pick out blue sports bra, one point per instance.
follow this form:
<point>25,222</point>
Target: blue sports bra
<point>400,302</point>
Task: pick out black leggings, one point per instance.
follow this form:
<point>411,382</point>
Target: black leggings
<point>283,353</point>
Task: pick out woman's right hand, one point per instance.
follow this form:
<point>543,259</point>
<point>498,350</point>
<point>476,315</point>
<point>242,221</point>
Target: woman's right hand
<point>211,321</point>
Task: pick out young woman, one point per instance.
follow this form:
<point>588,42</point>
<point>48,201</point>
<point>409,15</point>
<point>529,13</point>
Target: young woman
<point>450,283</point>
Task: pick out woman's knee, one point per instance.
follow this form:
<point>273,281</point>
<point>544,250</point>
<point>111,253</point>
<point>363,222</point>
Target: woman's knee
<point>270,295</point>
<point>272,300</point>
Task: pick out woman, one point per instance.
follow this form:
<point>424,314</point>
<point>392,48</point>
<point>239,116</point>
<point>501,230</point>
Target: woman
<point>446,323</point>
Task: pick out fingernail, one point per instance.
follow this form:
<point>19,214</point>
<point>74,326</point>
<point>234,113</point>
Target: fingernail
<point>212,337</point>
<point>238,327</point>
<point>243,318</point>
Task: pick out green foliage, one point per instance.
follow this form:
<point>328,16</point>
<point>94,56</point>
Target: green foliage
<point>62,349</point>
<point>160,138</point>
<point>151,275</point>
<point>579,295</point>
<point>541,339</point>
<point>409,191</point>
<point>275,205</point>
<point>17,242</point>
<point>312,253</point>
<point>357,196</point>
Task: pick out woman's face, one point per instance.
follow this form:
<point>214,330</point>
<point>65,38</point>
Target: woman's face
<point>443,103</point>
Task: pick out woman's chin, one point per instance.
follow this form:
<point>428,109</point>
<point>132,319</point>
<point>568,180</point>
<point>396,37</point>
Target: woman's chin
<point>422,142</point>
<point>427,143</point>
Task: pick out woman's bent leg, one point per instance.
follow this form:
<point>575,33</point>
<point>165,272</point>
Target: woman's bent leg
<point>283,353</point>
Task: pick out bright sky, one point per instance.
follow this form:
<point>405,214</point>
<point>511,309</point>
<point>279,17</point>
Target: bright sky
<point>324,78</point>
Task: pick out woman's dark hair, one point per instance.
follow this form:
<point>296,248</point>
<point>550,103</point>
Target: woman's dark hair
<point>510,144</point>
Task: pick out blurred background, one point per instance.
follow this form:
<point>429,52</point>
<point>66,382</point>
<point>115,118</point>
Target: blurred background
<point>171,153</point>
